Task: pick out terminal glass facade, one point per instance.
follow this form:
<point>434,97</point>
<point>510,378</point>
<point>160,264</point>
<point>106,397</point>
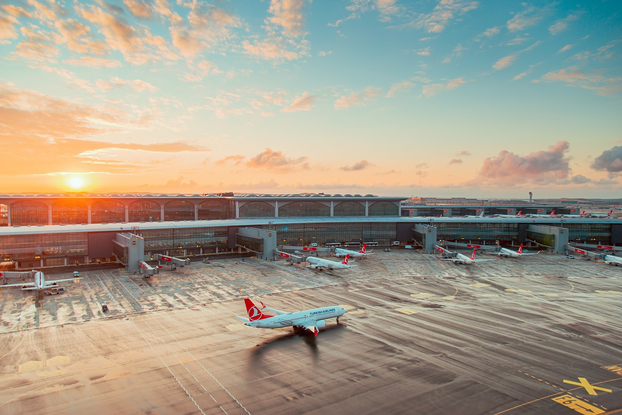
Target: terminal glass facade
<point>43,246</point>
<point>384,209</point>
<point>144,211</point>
<point>29,213</point>
<point>214,209</point>
<point>257,210</point>
<point>157,240</point>
<point>344,233</point>
<point>599,233</point>
<point>298,209</point>
<point>107,211</point>
<point>178,210</point>
<point>69,212</point>
<point>349,209</point>
<point>481,232</point>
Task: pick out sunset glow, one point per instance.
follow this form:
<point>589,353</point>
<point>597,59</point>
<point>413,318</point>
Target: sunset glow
<point>436,98</point>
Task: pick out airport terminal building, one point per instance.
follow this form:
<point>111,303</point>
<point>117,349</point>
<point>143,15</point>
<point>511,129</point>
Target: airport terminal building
<point>57,230</point>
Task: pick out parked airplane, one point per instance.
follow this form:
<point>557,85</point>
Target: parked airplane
<point>508,253</point>
<point>40,283</point>
<point>613,260</point>
<point>569,215</point>
<point>480,215</point>
<point>539,215</point>
<point>340,252</point>
<point>460,258</point>
<point>311,320</point>
<point>601,215</point>
<point>518,215</point>
<point>321,263</point>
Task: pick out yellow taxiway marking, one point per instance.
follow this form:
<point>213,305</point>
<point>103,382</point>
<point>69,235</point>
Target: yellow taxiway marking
<point>608,292</point>
<point>407,311</point>
<point>347,306</point>
<point>490,295</point>
<point>617,369</point>
<point>356,312</point>
<point>509,290</point>
<point>479,285</point>
<point>550,295</point>
<point>449,297</point>
<point>589,388</point>
<point>422,295</point>
<point>578,405</point>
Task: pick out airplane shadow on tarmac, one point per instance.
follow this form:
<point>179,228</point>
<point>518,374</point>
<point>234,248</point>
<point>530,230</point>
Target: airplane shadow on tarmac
<point>290,343</point>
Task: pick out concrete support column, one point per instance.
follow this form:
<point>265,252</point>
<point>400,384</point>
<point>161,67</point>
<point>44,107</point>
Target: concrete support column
<point>8,214</point>
<point>49,216</point>
<point>88,214</point>
<point>162,214</point>
<point>276,209</point>
<point>237,209</point>
<point>332,208</point>
<point>366,208</point>
<point>65,261</point>
<point>196,212</point>
<point>127,213</point>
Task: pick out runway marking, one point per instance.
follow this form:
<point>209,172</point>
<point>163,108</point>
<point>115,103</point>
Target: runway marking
<point>617,369</point>
<point>407,311</point>
<point>347,306</point>
<point>589,388</point>
<point>578,405</point>
<point>422,295</point>
<point>223,409</point>
<point>608,292</point>
<point>510,290</point>
<point>479,285</point>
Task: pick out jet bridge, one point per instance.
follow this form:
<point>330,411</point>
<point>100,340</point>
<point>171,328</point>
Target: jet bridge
<point>425,235</point>
<point>171,261</point>
<point>146,269</point>
<point>551,237</point>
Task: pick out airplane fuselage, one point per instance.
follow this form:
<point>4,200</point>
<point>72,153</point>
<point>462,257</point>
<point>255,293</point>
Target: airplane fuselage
<point>325,263</point>
<point>613,260</point>
<point>340,252</point>
<point>299,318</point>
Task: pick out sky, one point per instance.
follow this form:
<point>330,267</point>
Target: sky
<point>446,98</point>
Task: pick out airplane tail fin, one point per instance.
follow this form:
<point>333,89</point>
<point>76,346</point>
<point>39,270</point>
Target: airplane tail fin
<point>254,313</point>
<point>610,212</point>
<point>520,250</point>
<point>473,255</point>
<point>553,212</point>
<point>346,260</point>
<point>519,213</point>
<point>363,249</point>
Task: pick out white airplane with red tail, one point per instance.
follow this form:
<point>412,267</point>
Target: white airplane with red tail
<point>508,253</point>
<point>460,258</point>
<point>362,253</point>
<point>311,320</point>
<point>322,264</point>
<point>40,283</point>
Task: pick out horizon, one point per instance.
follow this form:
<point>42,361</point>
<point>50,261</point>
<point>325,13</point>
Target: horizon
<point>437,97</point>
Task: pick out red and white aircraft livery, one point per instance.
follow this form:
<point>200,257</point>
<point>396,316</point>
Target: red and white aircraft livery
<point>311,320</point>
<point>39,284</point>
<point>508,253</point>
<point>460,258</point>
<point>340,252</point>
<point>322,264</point>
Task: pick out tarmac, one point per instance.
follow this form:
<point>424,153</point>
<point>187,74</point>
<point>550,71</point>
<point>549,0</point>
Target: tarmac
<point>534,335</point>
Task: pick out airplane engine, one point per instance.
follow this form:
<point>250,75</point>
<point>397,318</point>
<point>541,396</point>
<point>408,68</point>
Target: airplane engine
<point>320,324</point>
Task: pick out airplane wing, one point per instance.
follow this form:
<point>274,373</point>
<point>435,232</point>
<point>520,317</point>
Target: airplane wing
<point>27,284</point>
<point>529,253</point>
<point>243,319</point>
<point>279,312</point>
<point>484,260</point>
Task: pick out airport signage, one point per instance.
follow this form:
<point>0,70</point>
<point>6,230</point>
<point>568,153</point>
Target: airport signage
<point>604,247</point>
<point>309,248</point>
<point>166,258</point>
<point>474,246</point>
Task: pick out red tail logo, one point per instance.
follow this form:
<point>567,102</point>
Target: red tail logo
<point>519,213</point>
<point>473,255</point>
<point>362,251</point>
<point>520,249</point>
<point>346,259</point>
<point>254,313</point>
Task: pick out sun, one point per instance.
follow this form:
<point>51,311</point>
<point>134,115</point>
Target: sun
<point>76,183</point>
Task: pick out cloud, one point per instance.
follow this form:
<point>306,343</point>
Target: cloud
<point>527,72</point>
<point>457,52</point>
<point>361,165</point>
<point>464,153</point>
<point>270,49</point>
<point>274,160</point>
<point>562,24</point>
<point>302,103</point>
<point>358,98</point>
<point>323,53</point>
<point>455,161</point>
<point>609,161</point>
<point>443,13</point>
<point>539,167</point>
<point>573,77</point>
<point>288,14</point>
<point>400,86</point>
<point>504,62</point>
<point>37,45</point>
<point>236,160</point>
<point>493,31</point>
<point>565,48</point>
<point>93,62</point>
<point>431,90</point>
<point>138,8</point>
<point>524,19</point>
